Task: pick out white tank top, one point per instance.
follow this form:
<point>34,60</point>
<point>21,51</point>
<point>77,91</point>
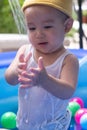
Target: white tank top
<point>39,109</point>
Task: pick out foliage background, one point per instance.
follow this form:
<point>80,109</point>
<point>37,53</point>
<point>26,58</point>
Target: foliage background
<point>7,22</point>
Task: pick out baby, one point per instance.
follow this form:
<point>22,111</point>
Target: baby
<point>46,71</point>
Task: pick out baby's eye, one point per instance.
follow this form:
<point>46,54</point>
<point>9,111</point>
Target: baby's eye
<point>32,28</point>
<point>47,27</point>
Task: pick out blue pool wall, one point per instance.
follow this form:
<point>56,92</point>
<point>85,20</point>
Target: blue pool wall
<point>81,90</point>
<point>8,93</point>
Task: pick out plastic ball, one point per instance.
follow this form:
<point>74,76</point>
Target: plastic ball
<point>79,113</point>
<point>73,107</point>
<point>8,120</point>
<point>79,101</point>
<point>83,121</point>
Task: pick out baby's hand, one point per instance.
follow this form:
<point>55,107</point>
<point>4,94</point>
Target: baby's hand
<point>22,65</point>
<point>35,77</point>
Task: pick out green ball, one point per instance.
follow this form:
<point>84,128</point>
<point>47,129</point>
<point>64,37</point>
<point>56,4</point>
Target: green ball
<point>8,120</point>
<point>73,107</point>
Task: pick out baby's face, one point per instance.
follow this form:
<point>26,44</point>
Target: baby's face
<point>45,28</point>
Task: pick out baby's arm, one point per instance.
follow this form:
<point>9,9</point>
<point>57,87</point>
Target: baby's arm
<point>63,87</point>
<point>16,67</point>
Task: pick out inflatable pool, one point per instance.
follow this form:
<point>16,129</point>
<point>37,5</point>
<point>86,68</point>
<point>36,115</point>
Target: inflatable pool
<point>8,93</point>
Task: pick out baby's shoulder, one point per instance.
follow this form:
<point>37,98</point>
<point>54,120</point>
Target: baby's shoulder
<point>23,48</point>
<point>71,58</point>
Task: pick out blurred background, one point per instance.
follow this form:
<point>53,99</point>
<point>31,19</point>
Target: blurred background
<point>7,22</point>
<point>76,38</point>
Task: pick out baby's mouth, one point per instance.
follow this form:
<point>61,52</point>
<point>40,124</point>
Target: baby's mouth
<point>43,43</point>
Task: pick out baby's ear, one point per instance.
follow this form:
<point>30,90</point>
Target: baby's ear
<point>68,24</point>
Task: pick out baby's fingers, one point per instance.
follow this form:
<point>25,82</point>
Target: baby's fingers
<point>24,80</point>
<point>22,65</point>
<point>40,63</point>
<point>21,58</point>
<point>27,58</point>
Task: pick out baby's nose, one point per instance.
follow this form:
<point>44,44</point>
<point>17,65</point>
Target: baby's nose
<point>40,34</point>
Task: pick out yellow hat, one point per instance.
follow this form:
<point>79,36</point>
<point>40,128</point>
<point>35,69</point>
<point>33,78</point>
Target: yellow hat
<point>64,6</point>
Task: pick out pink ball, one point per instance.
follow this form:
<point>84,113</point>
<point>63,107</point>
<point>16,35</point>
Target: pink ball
<point>78,100</point>
<point>79,113</point>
